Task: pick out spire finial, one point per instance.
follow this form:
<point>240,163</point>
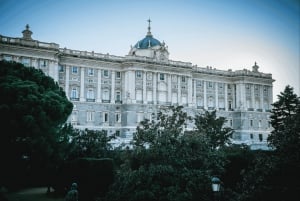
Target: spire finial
<point>149,28</point>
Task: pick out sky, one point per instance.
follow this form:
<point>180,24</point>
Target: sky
<point>224,34</point>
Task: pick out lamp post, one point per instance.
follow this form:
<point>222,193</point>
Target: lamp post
<point>215,184</point>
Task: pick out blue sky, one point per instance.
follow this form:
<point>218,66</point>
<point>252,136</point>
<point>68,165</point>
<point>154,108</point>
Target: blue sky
<point>224,34</point>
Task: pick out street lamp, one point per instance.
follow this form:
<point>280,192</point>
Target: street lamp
<point>215,184</point>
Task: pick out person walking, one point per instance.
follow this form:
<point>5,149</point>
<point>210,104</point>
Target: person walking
<point>72,194</point>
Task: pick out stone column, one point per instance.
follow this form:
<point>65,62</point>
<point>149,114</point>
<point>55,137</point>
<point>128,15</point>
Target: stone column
<point>190,92</point>
<point>169,89</point>
<point>204,95</point>
<point>216,96</point>
<point>144,88</point>
<point>67,81</point>
<point>179,90</point>
<point>252,96</point>
<point>126,94</point>
<point>53,69</point>
<point>113,82</point>
<point>226,96</point>
<point>35,63</point>
<point>243,96</point>
<point>154,87</point>
<point>99,100</point>
<point>261,105</point>
<point>194,93</point>
<point>129,95</point>
<point>82,84</point>
<point>270,96</point>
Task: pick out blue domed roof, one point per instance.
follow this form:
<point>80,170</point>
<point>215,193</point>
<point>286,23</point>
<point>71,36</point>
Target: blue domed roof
<point>147,42</point>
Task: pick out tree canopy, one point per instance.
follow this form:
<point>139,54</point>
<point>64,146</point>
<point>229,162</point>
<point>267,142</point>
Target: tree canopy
<point>32,109</point>
<point>168,162</point>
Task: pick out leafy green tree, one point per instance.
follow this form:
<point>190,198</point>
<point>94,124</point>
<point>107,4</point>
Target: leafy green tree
<point>169,125</point>
<point>212,129</point>
<point>167,163</point>
<point>33,108</point>
<point>89,143</point>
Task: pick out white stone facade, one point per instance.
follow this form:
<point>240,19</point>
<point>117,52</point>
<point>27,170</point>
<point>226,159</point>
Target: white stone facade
<point>115,93</point>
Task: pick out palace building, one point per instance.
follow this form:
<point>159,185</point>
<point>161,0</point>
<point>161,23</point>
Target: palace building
<point>114,93</point>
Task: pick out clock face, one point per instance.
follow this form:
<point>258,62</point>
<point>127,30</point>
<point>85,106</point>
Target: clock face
<point>149,76</point>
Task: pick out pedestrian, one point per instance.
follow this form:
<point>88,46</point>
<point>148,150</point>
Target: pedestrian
<point>72,194</point>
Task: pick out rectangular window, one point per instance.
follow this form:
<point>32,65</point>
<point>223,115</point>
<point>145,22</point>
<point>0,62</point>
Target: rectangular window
<point>74,93</point>
<point>210,84</point>
<point>90,94</point>
<point>61,68</point>
<point>259,123</point>
<point>75,69</point>
<point>105,95</point>
<point>90,116</point>
<point>251,122</point>
<point>138,74</point>
<point>199,83</point>
<point>7,58</point>
<point>43,63</point>
<point>26,61</point>
<point>105,117</point>
<point>117,133</point>
<point>118,96</point>
<point>118,117</point>
<point>90,71</point>
<point>260,137</point>
<point>161,76</point>
<point>230,122</point>
<point>265,91</point>
<point>182,79</point>
<point>105,73</point>
<point>118,75</point>
<point>229,105</point>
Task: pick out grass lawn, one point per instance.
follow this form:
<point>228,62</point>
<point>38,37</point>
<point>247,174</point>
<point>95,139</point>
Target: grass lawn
<point>33,194</point>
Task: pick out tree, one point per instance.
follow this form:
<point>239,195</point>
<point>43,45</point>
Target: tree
<point>285,120</point>
<point>167,162</point>
<point>32,110</point>
<point>165,130</point>
<point>89,143</point>
<point>272,174</point>
<point>212,129</point>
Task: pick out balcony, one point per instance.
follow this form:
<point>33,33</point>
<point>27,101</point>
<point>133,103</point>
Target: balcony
<point>118,102</point>
<point>90,100</point>
<point>74,99</point>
